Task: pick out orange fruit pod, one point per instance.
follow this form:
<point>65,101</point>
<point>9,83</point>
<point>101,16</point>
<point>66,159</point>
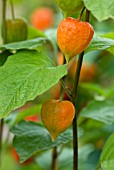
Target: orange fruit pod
<point>73,36</point>
<point>42,18</point>
<point>57,116</point>
<point>16,30</point>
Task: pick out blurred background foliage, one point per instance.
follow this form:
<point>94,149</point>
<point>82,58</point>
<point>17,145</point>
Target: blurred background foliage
<point>99,86</point>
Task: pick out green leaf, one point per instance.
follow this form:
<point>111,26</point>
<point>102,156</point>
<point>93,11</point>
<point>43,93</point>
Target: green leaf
<point>28,44</point>
<point>24,76</point>
<point>107,155</point>
<point>102,111</point>
<point>99,43</point>
<point>101,9</point>
<point>31,137</point>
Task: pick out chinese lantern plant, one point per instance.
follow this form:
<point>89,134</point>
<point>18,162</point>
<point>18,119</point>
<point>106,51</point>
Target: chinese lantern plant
<point>73,36</point>
<point>57,116</point>
<point>16,30</point>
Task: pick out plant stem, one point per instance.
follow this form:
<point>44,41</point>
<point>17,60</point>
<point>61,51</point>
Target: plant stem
<point>12,10</point>
<point>81,14</point>
<point>54,159</point>
<point>87,15</point>
<point>3,21</point>
<point>1,132</point>
<point>67,90</point>
<point>74,98</point>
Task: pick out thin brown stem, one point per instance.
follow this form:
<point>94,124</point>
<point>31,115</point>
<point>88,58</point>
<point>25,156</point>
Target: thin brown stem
<point>77,75</point>
<point>67,90</point>
<point>81,14</point>
<point>54,159</point>
<point>74,98</point>
<point>87,15</point>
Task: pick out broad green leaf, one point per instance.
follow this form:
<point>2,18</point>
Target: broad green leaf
<point>99,43</point>
<point>107,155</point>
<point>24,76</point>
<point>102,111</point>
<point>28,44</point>
<point>101,9</point>
<point>31,137</point>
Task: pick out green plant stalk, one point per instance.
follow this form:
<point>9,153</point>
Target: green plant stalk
<point>81,14</point>
<point>3,21</point>
<point>54,159</point>
<point>68,91</point>
<point>74,98</point>
<point>12,10</point>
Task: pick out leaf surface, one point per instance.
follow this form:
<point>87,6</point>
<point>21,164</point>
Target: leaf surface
<point>25,75</point>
